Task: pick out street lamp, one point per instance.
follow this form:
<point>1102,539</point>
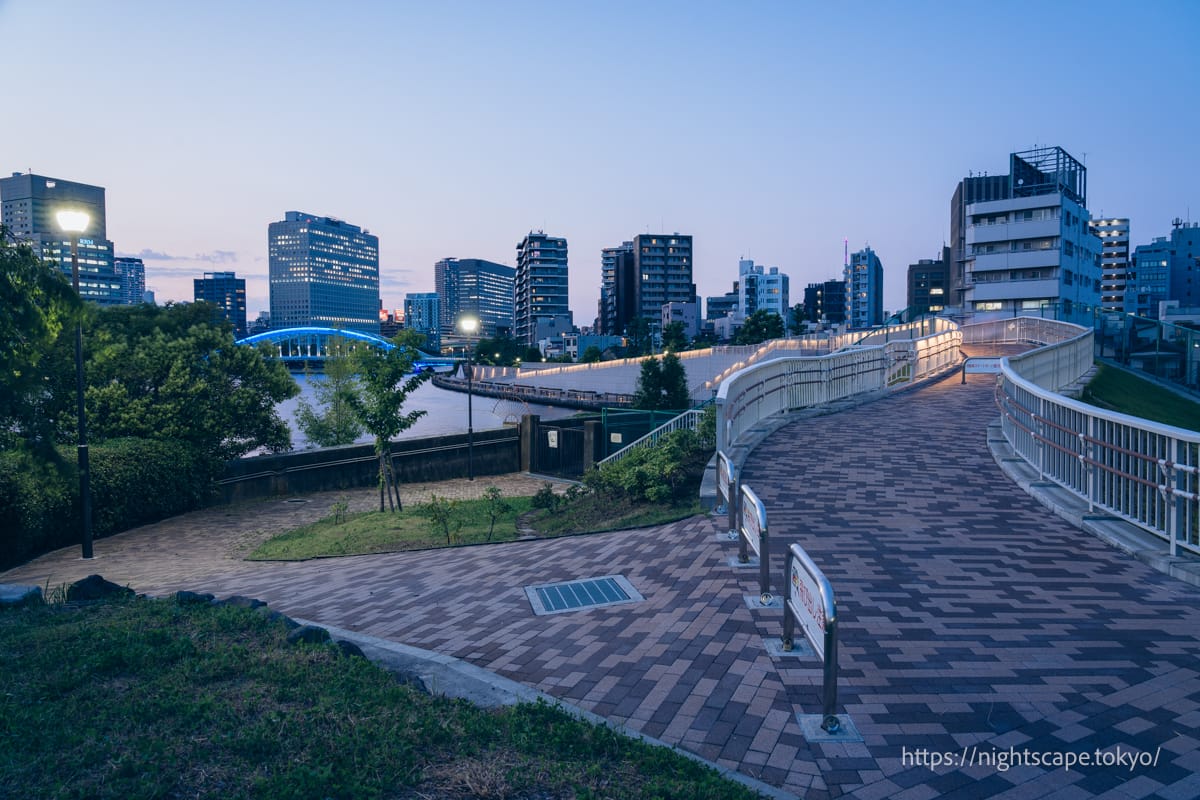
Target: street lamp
<point>75,223</point>
<point>469,325</point>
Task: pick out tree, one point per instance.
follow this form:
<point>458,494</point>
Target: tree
<point>173,374</point>
<point>37,304</point>
<point>333,421</point>
<point>759,327</point>
<point>501,351</point>
<point>591,355</point>
<point>639,334</point>
<point>674,337</point>
<point>797,319</point>
<point>385,380</point>
<point>675,394</point>
<point>531,356</point>
<point>648,394</point>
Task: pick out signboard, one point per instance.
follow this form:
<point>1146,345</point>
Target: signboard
<point>982,366</point>
<point>723,477</point>
<point>754,520</point>
<point>552,438</point>
<point>616,438</point>
<point>810,599</point>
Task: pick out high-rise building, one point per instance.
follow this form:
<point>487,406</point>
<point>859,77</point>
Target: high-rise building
<point>1032,250</point>
<point>540,292</point>
<point>478,288</point>
<point>1114,261</point>
<point>972,189</point>
<point>1166,269</point>
<point>421,314</point>
<point>721,306</point>
<point>825,301</point>
<point>864,289</point>
<point>132,274</point>
<point>929,284</point>
<point>759,288</point>
<point>663,272</point>
<point>618,289</point>
<point>28,207</point>
<point>226,291</point>
<point>323,272</point>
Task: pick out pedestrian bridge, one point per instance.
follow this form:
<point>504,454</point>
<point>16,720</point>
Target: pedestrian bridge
<point>310,346</point>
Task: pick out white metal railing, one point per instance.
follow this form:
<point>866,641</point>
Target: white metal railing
<point>688,420</point>
<point>757,392</point>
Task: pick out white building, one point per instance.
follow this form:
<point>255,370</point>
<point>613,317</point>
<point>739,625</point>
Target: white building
<point>687,313</point>
<point>1114,261</point>
<point>759,288</point>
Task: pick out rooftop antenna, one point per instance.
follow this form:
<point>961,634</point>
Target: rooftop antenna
<point>846,245</point>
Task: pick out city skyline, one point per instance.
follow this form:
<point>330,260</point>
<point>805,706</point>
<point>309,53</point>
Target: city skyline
<point>776,132</point>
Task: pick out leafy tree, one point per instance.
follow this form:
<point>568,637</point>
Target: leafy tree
<point>674,337</point>
<point>332,422</point>
<point>796,319</point>
<point>591,355</point>
<point>648,395</point>
<point>172,373</point>
<point>37,304</point>
<point>531,356</point>
<point>640,336</point>
<point>675,394</point>
<point>385,381</point>
<point>501,351</point>
<point>495,508</point>
<point>759,327</point>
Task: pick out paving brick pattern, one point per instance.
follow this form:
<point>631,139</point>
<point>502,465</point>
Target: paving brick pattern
<point>969,615</point>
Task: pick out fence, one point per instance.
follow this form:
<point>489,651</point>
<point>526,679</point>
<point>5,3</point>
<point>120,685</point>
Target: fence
<point>688,420</point>
<point>1140,471</point>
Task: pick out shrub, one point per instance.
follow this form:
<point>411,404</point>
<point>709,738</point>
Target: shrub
<point>546,498</point>
<point>659,473</point>
<point>441,512</point>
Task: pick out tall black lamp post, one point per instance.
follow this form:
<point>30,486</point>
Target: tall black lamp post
<point>75,223</point>
<point>469,326</point>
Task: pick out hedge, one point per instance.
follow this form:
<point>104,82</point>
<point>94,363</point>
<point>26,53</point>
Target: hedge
<point>133,482</point>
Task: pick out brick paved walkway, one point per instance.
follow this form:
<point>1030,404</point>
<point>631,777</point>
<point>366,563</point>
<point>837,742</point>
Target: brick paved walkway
<point>969,616</point>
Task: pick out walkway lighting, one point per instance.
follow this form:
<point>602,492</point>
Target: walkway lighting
<point>76,222</point>
<point>469,326</point>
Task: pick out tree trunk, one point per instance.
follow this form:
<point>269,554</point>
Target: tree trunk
<point>382,479</point>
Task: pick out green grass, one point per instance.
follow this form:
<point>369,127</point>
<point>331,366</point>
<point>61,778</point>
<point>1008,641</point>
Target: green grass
<point>1118,390</point>
<point>389,532</point>
<point>148,699</point>
<point>595,514</point>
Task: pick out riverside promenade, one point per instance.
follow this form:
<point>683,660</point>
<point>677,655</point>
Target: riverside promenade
<point>972,620</point>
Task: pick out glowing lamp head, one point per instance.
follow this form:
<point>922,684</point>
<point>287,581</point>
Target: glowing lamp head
<point>73,221</point>
<point>468,325</point>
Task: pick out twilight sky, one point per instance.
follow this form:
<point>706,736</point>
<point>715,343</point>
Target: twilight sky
<point>767,130</point>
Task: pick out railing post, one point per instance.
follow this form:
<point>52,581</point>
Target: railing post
<point>1041,438</point>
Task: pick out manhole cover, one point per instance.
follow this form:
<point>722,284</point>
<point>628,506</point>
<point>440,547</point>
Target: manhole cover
<point>556,598</point>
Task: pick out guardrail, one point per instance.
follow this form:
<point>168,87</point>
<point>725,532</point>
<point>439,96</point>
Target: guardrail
<point>688,420</point>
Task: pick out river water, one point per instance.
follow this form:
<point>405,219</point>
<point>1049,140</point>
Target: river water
<point>445,412</point>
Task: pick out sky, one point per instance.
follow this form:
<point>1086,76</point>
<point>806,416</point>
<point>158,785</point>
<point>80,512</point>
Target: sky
<point>771,131</point>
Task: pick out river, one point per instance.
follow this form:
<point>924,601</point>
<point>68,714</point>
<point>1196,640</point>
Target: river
<point>445,412</point>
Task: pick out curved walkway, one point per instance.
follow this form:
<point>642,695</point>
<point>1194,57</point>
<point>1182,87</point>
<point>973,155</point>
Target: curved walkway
<point>969,615</point>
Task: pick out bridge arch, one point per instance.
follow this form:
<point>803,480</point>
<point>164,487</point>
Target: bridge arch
<point>309,344</point>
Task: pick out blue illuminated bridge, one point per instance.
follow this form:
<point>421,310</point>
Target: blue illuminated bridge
<point>298,347</point>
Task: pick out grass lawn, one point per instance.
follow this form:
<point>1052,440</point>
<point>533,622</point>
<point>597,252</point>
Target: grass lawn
<point>389,532</point>
<point>1118,390</point>
<point>149,699</point>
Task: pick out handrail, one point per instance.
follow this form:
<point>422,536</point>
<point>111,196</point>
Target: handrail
<point>688,420</point>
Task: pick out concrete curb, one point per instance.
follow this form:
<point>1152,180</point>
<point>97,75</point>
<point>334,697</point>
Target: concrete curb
<point>447,676</point>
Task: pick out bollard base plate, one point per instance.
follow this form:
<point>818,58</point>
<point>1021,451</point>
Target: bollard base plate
<point>810,727</point>
<point>800,649</point>
<point>752,563</point>
<point>754,602</point>
<point>725,538</point>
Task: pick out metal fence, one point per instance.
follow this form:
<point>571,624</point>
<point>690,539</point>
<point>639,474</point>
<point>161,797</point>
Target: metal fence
<point>1143,472</point>
<point>688,420</point>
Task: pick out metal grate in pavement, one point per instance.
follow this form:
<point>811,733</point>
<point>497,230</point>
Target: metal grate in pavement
<point>556,598</point>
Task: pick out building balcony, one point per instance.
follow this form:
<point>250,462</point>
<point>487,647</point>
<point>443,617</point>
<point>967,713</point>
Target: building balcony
<point>1024,259</point>
<point>1034,229</point>
<point>1014,290</point>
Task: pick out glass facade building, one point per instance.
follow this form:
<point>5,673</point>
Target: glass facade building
<point>540,291</point>
<point>478,288</point>
<point>226,291</point>
<point>323,272</point>
<point>422,312</point>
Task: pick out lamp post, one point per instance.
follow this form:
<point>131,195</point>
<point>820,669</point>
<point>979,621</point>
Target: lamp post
<point>75,223</point>
<point>469,325</point>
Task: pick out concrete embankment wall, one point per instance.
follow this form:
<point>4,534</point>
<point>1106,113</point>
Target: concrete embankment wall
<point>437,458</point>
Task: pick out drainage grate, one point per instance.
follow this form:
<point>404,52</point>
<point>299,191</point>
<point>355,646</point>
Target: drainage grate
<point>555,598</point>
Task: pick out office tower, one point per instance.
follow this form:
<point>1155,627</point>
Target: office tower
<point>226,291</point>
<point>132,274</point>
<point>929,284</point>
<point>864,289</point>
<point>477,288</point>
<point>323,272</point>
<point>1031,250</point>
<point>1167,269</point>
<point>663,270</point>
<point>618,289</point>
<point>540,292</point>
<point>1114,261</point>
<point>825,301</point>
<point>761,289</point>
<point>28,207</point>
<point>421,314</point>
